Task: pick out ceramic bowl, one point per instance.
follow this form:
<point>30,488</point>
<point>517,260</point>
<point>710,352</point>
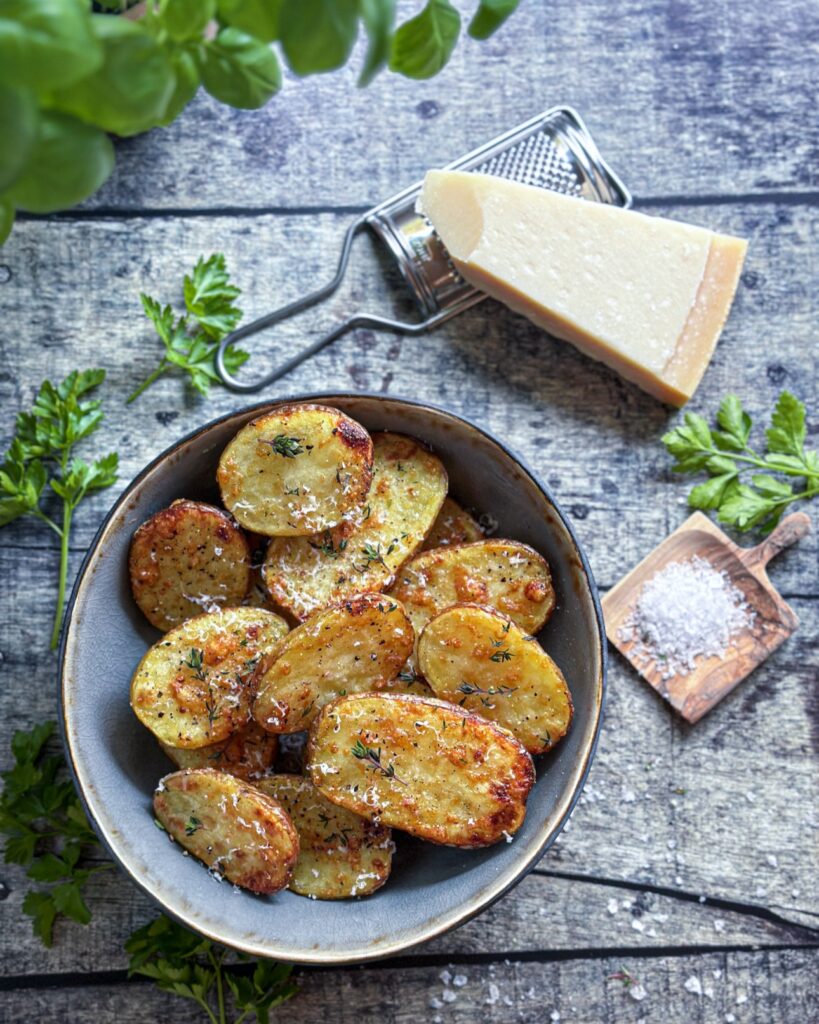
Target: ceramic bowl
<point>117,763</point>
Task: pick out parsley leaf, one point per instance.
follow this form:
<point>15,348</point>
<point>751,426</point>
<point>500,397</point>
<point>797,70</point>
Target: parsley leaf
<point>740,484</point>
<point>191,340</point>
<point>41,453</point>
<point>46,832</point>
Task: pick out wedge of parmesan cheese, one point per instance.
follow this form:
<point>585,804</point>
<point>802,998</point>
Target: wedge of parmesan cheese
<point>645,295</point>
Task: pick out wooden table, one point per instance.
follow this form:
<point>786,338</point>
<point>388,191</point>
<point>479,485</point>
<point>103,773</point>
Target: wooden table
<point>692,858</point>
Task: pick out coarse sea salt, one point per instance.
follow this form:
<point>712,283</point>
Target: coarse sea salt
<point>687,610</point>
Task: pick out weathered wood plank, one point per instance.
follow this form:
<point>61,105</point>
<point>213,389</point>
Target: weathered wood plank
<point>718,988</point>
<point>594,438</point>
<point>699,98</point>
<point>709,809</point>
<point>543,913</point>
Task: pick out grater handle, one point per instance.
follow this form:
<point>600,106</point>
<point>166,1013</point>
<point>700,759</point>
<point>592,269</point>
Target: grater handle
<point>284,313</point>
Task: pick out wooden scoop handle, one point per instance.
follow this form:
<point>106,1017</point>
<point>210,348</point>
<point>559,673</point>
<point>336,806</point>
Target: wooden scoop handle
<point>792,528</point>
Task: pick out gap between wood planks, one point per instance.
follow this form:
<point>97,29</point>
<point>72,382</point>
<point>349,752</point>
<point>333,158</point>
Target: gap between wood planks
<point>186,213</point>
<point>81,979</point>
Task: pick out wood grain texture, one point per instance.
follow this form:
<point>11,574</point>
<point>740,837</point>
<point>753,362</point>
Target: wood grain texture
<point>693,693</point>
<point>692,99</point>
<point>745,988</point>
<point>707,112</point>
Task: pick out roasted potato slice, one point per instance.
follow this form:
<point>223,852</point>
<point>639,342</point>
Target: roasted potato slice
<point>500,574</point>
<point>186,559</point>
<point>409,681</point>
<point>341,854</point>
<point>248,754</point>
<point>454,525</point>
<point>425,766</point>
<point>193,687</point>
<point>241,834</point>
<point>348,648</point>
<point>296,470</point>
<point>481,660</point>
<point>363,553</point>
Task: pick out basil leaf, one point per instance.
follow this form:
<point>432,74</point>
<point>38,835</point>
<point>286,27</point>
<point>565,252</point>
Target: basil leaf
<point>186,19</point>
<point>6,218</point>
<point>239,70</point>
<point>318,35</point>
<point>69,161</point>
<point>131,91</point>
<point>422,46</point>
<point>378,17</point>
<point>45,44</point>
<point>489,17</point>
<point>259,18</point>
<point>18,130</point>
<point>188,80</point>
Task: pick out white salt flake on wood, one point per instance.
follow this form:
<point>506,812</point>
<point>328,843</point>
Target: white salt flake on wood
<point>687,610</point>
<point>693,985</point>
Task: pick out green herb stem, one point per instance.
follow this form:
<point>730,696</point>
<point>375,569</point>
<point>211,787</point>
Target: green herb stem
<point>220,993</point>
<point>149,380</point>
<point>68,511</point>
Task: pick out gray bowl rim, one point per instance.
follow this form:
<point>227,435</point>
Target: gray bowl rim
<point>551,828</point>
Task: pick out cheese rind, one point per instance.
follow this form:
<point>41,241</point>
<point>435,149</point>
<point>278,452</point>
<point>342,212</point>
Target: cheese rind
<point>646,295</point>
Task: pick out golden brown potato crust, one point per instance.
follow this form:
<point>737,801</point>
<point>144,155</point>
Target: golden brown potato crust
<point>351,647</point>
<point>193,687</point>
<point>248,754</point>
<point>342,855</point>
<point>363,554</point>
<point>479,659</point>
<point>296,470</point>
<point>425,766</point>
<point>186,559</point>
<point>502,574</point>
<point>454,525</point>
<point>240,833</point>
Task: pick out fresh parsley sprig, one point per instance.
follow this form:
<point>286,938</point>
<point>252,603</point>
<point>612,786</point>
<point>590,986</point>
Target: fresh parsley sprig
<point>42,453</point>
<point>741,485</point>
<point>191,340</point>
<point>46,832</point>
<point>195,968</point>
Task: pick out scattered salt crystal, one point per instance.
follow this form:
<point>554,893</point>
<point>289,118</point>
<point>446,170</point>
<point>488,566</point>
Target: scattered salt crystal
<point>794,893</point>
<point>771,859</point>
<point>660,917</point>
<point>627,796</point>
<point>638,926</point>
<point>692,984</point>
<point>494,994</point>
<point>448,995</point>
<point>719,925</point>
<point>750,797</point>
<point>741,998</point>
<point>555,1016</point>
<point>729,1018</point>
<point>760,892</point>
<point>687,610</point>
<point>612,906</point>
<point>701,899</point>
<point>637,992</point>
<point>459,980</point>
<point>708,992</point>
<point>435,1003</point>
<point>717,972</point>
<point>678,880</point>
<point>445,977</point>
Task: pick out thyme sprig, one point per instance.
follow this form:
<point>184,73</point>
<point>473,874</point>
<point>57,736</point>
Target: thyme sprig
<point>372,755</point>
<point>484,693</point>
<point>287,447</point>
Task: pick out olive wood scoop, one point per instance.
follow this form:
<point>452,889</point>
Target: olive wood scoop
<point>696,692</point>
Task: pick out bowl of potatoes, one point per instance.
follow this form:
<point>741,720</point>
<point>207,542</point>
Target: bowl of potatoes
<point>332,676</point>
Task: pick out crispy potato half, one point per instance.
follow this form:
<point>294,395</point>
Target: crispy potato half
<point>348,648</point>
<point>296,470</point>
<point>186,559</point>
<point>425,766</point>
<point>342,854</point>
<point>248,754</point>
<point>454,525</point>
<point>364,553</point>
<point>241,834</point>
<point>193,687</point>
<point>501,574</point>
<point>481,660</point>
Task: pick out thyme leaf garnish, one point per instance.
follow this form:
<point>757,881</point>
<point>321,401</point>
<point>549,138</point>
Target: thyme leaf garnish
<point>195,662</point>
<point>287,447</point>
<point>193,825</point>
<point>372,755</point>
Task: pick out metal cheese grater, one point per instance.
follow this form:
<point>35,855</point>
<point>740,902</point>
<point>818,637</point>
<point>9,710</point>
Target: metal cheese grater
<point>553,150</point>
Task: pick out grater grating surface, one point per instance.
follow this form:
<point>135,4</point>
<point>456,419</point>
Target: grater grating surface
<point>553,150</point>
